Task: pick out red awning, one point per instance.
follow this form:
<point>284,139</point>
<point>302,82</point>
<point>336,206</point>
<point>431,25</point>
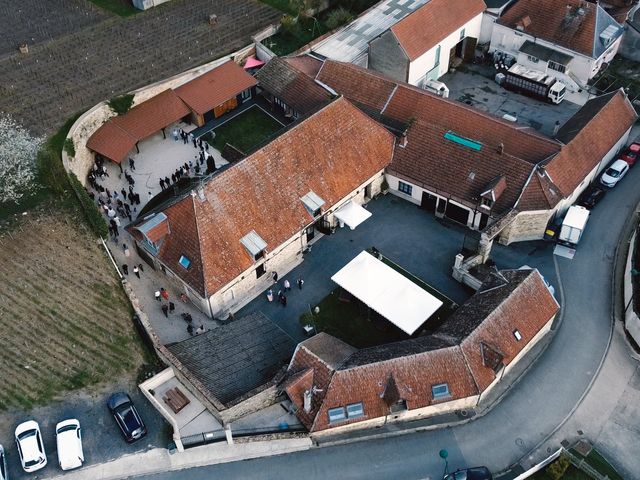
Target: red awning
<point>252,62</point>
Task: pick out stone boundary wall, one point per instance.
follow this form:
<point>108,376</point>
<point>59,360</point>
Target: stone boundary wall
<point>631,318</point>
<point>91,120</point>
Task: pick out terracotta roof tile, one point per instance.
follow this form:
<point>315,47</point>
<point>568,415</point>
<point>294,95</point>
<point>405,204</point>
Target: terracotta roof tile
<point>423,29</point>
<point>293,87</point>
<point>330,153</point>
<point>215,87</point>
<point>111,141</point>
<point>362,87</point>
<point>306,64</point>
<point>600,124</point>
<point>119,135</point>
<point>496,328</point>
<point>573,24</point>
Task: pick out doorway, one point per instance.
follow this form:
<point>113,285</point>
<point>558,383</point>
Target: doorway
<point>429,202</point>
<point>456,213</point>
<point>367,192</point>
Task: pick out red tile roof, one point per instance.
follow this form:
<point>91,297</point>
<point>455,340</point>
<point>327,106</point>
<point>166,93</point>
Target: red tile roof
<point>547,19</point>
<point>602,121</point>
<point>423,29</point>
<point>111,141</point>
<point>215,87</point>
<point>496,329</point>
<point>305,63</point>
<point>118,136</point>
<point>461,354</point>
<point>330,153</point>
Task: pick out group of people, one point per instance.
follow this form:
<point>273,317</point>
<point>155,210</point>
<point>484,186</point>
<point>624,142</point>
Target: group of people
<point>286,287</point>
<point>167,307</point>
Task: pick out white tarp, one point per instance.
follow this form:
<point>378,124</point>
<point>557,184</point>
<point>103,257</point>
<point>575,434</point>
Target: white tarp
<point>352,214</point>
<point>386,291</point>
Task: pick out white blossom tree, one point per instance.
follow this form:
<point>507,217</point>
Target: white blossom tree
<point>18,152</point>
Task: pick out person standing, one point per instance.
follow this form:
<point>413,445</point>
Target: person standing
<point>157,296</point>
<point>274,275</point>
<point>300,283</point>
<point>162,183</point>
<point>132,164</point>
<point>136,271</point>
<point>125,268</point>
<point>166,181</point>
<point>165,310</point>
<point>270,295</point>
<point>164,294</point>
<point>287,285</point>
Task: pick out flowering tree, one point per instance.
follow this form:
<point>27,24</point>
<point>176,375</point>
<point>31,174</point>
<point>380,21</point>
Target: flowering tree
<point>18,151</point>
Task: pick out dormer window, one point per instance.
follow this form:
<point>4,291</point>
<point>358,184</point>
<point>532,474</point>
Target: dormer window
<point>486,202</point>
<point>184,261</point>
<point>254,244</point>
<point>313,203</point>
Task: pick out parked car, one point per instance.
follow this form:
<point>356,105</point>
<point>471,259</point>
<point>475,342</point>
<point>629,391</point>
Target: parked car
<point>591,196</point>
<point>3,465</point>
<point>475,473</point>
<point>69,443</point>
<point>614,173</point>
<point>126,416</point>
<point>30,446</point>
<point>631,154</point>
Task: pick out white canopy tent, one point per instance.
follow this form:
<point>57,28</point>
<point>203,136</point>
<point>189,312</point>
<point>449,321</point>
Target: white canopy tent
<point>352,214</point>
<point>386,291</point>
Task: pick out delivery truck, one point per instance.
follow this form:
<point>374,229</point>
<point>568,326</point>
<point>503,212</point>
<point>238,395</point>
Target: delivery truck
<point>573,226</point>
<point>532,83</point>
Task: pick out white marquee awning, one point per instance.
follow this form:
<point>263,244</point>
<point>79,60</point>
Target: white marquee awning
<point>352,214</point>
<point>386,291</point>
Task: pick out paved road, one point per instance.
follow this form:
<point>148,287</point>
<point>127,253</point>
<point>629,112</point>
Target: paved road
<point>80,67</point>
<point>533,409</point>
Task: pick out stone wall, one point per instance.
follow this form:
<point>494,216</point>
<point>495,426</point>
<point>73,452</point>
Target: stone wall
<point>91,120</point>
<point>526,226</point>
<point>631,318</point>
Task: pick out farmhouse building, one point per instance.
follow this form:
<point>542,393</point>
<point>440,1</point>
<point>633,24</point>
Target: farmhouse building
<point>568,39</point>
<point>222,242</point>
<point>423,45</point>
<point>337,387</point>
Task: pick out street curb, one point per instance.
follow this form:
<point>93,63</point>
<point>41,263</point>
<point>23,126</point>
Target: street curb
<point>159,460</point>
<point>617,263</point>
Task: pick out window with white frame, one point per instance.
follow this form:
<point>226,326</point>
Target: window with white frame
<point>355,410</point>
<point>556,66</point>
<point>336,414</point>
<point>405,188</point>
<point>440,391</point>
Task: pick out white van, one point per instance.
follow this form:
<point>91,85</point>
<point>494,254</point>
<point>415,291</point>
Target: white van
<point>69,443</point>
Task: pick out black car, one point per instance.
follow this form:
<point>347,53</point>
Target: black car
<point>475,473</point>
<point>591,196</point>
<point>126,417</point>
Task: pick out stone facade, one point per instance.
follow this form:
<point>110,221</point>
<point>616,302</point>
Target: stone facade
<point>526,226</point>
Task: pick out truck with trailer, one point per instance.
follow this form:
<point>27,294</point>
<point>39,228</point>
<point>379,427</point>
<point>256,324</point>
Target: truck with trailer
<point>532,83</point>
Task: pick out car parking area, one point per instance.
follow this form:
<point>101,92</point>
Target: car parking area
<point>475,87</point>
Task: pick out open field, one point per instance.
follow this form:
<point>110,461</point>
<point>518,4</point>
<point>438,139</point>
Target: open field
<point>64,320</point>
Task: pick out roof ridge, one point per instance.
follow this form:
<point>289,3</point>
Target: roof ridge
<point>199,246</point>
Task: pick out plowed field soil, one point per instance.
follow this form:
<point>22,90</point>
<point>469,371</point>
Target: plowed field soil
<point>64,320</point>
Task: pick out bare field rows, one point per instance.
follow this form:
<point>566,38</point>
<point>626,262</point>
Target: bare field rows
<point>64,320</point>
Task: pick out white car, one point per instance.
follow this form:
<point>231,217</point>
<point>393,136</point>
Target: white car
<point>69,443</point>
<point>614,173</point>
<point>3,465</point>
<point>30,446</point>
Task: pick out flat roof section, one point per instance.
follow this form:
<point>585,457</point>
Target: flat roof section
<point>388,292</point>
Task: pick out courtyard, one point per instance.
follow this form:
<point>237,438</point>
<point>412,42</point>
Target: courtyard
<point>474,86</point>
<point>405,234</point>
<point>244,131</point>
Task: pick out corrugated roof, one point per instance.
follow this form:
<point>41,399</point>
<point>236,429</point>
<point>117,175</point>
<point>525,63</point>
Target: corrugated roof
<point>215,87</point>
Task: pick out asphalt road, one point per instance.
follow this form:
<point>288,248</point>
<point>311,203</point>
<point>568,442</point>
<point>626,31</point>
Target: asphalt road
<point>540,402</point>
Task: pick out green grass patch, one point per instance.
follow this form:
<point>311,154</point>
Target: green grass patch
<point>352,322</point>
<point>289,40</point>
<point>245,131</point>
<point>122,8</point>
<point>572,473</point>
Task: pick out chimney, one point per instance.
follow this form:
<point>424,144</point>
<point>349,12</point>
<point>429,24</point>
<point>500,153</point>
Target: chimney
<point>501,148</point>
<point>200,192</point>
<point>307,401</point>
<point>403,140</point>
